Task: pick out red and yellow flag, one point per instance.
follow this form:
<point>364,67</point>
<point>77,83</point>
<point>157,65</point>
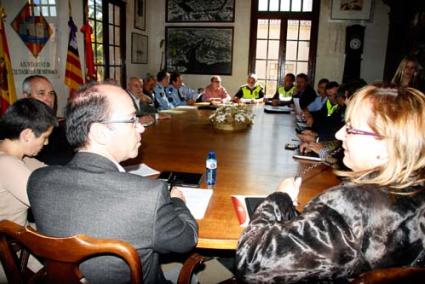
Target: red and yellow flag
<point>73,74</point>
<point>7,84</point>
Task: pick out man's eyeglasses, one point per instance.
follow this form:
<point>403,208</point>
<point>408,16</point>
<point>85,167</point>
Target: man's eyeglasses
<point>354,131</point>
<point>134,120</point>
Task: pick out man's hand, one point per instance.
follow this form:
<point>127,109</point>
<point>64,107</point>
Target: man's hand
<point>275,102</point>
<point>311,146</point>
<point>307,136</point>
<point>175,192</point>
<point>190,102</point>
<point>145,99</point>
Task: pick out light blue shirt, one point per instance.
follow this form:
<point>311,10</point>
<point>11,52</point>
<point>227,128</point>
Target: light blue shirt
<point>317,104</point>
<point>173,95</point>
<point>188,93</point>
<point>161,98</point>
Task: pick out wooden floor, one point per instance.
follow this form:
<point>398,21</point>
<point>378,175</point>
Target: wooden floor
<point>250,162</point>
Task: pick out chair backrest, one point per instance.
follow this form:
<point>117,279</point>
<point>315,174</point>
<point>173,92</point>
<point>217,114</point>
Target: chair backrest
<point>61,256</point>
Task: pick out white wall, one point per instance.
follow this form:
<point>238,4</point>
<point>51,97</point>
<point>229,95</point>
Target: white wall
<point>331,44</point>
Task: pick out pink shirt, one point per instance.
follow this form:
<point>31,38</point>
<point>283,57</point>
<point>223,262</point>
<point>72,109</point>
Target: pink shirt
<point>210,93</point>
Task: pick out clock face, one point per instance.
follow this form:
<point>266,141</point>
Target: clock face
<point>355,43</point>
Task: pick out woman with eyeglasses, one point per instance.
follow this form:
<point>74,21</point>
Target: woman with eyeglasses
<point>374,219</point>
<point>215,92</point>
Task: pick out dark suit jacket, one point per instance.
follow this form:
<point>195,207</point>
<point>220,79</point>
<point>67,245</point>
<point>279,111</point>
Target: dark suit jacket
<point>90,196</point>
<point>143,108</point>
<point>58,151</point>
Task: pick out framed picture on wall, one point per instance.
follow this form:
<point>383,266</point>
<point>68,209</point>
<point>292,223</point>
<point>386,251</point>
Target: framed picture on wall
<point>199,50</point>
<point>139,49</point>
<point>140,14</point>
<point>179,11</point>
<point>351,10</point>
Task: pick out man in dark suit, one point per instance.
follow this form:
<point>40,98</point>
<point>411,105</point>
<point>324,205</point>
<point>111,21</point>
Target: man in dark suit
<point>57,151</point>
<point>94,195</point>
<point>142,102</point>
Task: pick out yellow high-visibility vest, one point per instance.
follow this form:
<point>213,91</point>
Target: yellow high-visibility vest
<point>248,94</point>
<point>285,95</point>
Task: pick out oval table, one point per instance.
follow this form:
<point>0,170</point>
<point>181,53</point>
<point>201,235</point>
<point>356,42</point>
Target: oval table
<point>250,162</point>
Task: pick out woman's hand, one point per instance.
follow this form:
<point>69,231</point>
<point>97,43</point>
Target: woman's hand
<point>291,186</point>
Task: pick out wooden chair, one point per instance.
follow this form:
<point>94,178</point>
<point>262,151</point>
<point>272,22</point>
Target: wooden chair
<point>62,256</point>
<point>392,275</point>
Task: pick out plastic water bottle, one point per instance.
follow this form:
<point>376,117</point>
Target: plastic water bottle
<point>211,168</point>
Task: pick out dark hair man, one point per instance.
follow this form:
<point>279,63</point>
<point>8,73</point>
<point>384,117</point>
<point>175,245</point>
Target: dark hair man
<point>94,195</point>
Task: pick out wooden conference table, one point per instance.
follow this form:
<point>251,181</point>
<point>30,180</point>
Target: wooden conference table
<point>250,162</point>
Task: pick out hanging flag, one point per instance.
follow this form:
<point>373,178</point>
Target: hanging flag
<point>73,75</point>
<point>87,30</point>
<point>7,84</point>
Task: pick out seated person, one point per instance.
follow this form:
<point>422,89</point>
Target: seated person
<point>24,130</point>
<point>321,97</point>
<point>329,119</point>
<point>58,151</point>
<point>180,94</point>
<point>251,92</point>
<point>142,103</point>
<point>149,84</point>
<point>162,102</point>
<point>374,220</point>
<point>408,73</point>
<point>215,92</point>
<point>284,93</point>
<point>107,202</point>
<point>304,91</point>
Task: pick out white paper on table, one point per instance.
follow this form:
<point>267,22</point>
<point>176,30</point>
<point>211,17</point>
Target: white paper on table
<point>187,107</point>
<point>197,200</point>
<point>141,170</point>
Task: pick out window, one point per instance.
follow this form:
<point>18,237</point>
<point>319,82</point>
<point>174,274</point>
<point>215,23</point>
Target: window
<point>47,8</point>
<point>283,40</point>
<point>107,18</point>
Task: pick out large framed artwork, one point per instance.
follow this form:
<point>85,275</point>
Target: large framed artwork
<point>178,11</point>
<point>351,10</point>
<point>139,49</point>
<point>140,14</point>
<point>199,50</point>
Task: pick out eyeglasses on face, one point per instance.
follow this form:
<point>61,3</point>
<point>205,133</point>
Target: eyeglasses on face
<point>134,120</point>
<point>354,131</point>
<point>215,81</point>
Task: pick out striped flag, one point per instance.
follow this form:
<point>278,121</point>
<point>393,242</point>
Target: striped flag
<point>7,84</point>
<point>73,74</point>
<point>87,30</point>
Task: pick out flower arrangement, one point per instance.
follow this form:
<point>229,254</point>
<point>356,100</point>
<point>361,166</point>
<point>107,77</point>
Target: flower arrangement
<point>232,117</point>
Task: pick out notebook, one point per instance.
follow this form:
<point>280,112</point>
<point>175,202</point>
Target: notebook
<point>245,206</point>
<point>277,109</point>
<point>310,156</point>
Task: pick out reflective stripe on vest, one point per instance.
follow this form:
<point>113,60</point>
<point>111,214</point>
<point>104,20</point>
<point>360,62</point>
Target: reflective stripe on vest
<point>285,95</point>
<point>331,109</point>
<point>248,94</point>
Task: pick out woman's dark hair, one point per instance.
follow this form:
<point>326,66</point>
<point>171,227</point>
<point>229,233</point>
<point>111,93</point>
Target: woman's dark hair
<point>24,114</point>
